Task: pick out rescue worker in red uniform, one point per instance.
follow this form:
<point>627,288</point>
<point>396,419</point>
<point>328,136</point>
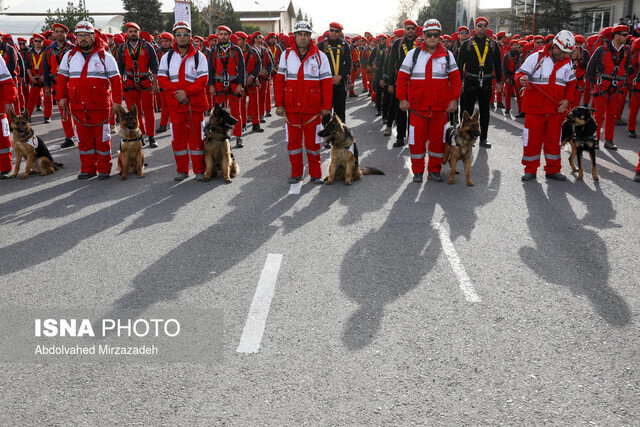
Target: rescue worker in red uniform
<point>253,65</point>
<point>8,93</point>
<point>35,73</point>
<point>276,51</point>
<point>545,74</point>
<point>303,90</point>
<point>634,102</point>
<point>23,89</point>
<point>138,65</point>
<point>52,58</point>
<point>607,71</point>
<point>183,76</point>
<point>429,84</point>
<point>579,61</point>
<point>87,79</point>
<point>510,64</point>
<point>166,40</point>
<point>227,77</point>
<point>266,66</point>
<point>355,66</point>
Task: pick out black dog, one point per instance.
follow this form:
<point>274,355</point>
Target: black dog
<point>578,130</point>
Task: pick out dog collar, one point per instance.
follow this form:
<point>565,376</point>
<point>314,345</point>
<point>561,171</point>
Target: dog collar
<point>133,139</point>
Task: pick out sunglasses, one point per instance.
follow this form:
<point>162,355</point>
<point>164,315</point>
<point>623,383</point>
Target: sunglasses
<point>332,30</point>
<point>409,28</point>
<point>481,25</point>
<point>182,34</point>
<point>624,34</point>
<point>431,35</point>
<point>463,32</point>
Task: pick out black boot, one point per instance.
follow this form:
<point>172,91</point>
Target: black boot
<point>152,142</point>
<point>68,142</point>
<point>257,128</point>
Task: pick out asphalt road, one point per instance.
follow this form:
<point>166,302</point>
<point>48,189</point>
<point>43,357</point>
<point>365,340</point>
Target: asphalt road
<point>392,302</point>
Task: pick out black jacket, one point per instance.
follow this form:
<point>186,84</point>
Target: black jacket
<point>396,56</point>
<point>468,61</point>
<point>330,47</point>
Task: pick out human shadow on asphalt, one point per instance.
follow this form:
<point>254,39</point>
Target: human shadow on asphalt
<point>387,264</point>
<point>460,202</point>
<point>566,253</point>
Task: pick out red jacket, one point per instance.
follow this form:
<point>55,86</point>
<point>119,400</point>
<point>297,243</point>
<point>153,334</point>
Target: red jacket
<point>140,63</point>
<point>555,79</point>
<point>88,83</point>
<point>276,51</point>
<point>429,84</point>
<point>8,91</point>
<point>182,74</point>
<point>304,86</point>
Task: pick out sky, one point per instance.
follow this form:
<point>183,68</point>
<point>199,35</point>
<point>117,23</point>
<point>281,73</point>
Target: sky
<point>358,16</point>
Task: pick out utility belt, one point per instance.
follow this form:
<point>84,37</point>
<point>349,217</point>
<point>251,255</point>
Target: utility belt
<point>479,79</point>
<point>226,79</point>
<point>617,84</point>
<point>137,77</point>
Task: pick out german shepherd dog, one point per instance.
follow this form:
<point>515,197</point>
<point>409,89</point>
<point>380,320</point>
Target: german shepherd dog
<point>30,147</point>
<point>578,129</point>
<point>130,156</point>
<point>344,153</point>
<point>459,144</point>
<point>218,157</point>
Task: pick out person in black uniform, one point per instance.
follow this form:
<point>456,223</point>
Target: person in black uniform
<point>376,62</point>
<point>396,56</point>
<point>339,54</point>
<point>479,57</point>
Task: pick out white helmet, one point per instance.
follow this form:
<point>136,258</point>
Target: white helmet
<point>302,26</point>
<point>181,25</point>
<point>84,27</point>
<point>565,41</point>
<point>431,25</point>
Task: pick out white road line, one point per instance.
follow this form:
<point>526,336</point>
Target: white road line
<point>607,164</point>
<point>295,188</point>
<point>259,310</point>
<point>407,162</point>
<point>456,264</point>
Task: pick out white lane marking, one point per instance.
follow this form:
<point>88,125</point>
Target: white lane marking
<point>407,162</point>
<point>257,317</point>
<point>456,264</point>
<point>607,164</point>
<point>295,188</point>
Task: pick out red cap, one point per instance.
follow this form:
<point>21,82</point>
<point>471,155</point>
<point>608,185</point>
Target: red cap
<point>225,28</point>
<point>410,22</point>
<point>399,32</point>
<point>516,41</point>
<point>620,29</point>
<point>538,37</point>
<point>516,36</point>
<point>47,43</point>
<point>522,43</point>
<point>35,36</point>
<point>501,34</point>
<point>233,38</point>
<point>549,37</point>
<point>489,32</point>
<point>481,18</point>
<point>213,37</point>
<point>241,35</point>
<point>446,37</point>
<point>579,38</point>
<point>336,25</point>
<point>463,28</point>
<point>57,25</point>
<point>22,39</point>
<point>268,36</point>
<point>164,35</point>
<point>118,39</point>
<point>132,25</point>
<point>199,38</point>
<point>256,34</point>
<point>146,36</point>
<point>46,33</point>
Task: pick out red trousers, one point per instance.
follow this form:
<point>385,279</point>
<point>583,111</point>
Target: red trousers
<point>431,128</point>
<point>263,99</point>
<point>232,102</point>
<point>164,110</point>
<point>511,89</point>
<point>187,138</point>
<point>496,96</point>
<point>638,167</point>
<point>67,123</point>
<point>577,97</point>
<point>23,92</point>
<point>250,94</point>
<point>143,100</point>
<point>607,110</point>
<point>34,96</point>
<point>542,133</point>
<point>366,80</point>
<point>5,143</point>
<point>354,76</point>
<point>634,105</point>
<point>94,143</point>
<point>587,92</point>
<point>267,104</point>
<point>312,143</point>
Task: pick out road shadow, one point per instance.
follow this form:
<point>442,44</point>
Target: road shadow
<point>407,252</point>
<point>566,253</point>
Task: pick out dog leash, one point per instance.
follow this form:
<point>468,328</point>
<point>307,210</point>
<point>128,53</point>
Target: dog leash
<point>84,124</point>
<point>286,119</point>
<point>544,93</point>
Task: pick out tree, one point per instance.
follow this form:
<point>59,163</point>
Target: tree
<point>442,10</point>
<point>219,12</point>
<point>551,17</point>
<point>145,13</point>
<point>250,28</point>
<point>198,26</point>
<point>68,17</point>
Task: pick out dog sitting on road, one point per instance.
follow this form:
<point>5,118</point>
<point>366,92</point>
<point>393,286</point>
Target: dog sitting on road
<point>30,147</point>
<point>130,156</point>
<point>218,157</point>
<point>578,130</point>
<point>459,144</point>
<point>344,153</point>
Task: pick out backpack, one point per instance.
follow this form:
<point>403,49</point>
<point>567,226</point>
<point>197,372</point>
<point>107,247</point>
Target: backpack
<point>196,58</point>
<point>416,53</point>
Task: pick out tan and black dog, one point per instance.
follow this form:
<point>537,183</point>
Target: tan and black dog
<point>218,157</point>
<point>30,147</point>
<point>459,144</point>
<point>130,156</point>
<point>344,153</point>
<point>578,130</point>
